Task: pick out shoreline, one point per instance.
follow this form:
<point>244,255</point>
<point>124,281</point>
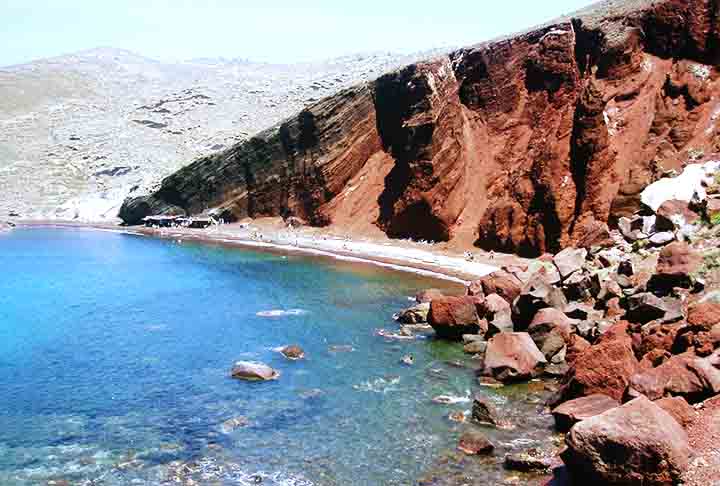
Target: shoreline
<point>271,235</point>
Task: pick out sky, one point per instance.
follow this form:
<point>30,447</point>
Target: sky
<point>261,30</point>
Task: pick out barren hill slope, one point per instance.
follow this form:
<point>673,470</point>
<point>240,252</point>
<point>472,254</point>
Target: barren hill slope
<point>80,131</point>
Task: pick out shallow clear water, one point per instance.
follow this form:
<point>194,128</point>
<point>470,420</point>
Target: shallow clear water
<point>115,353</point>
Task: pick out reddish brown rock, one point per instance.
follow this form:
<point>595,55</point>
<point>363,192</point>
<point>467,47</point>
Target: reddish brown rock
<point>528,144</point>
<point>426,296</point>
<point>692,378</point>
<point>604,368</point>
<point>704,315</point>
<point>513,356</point>
<point>451,317</point>
<point>677,264</point>
<point>550,330</point>
<point>475,443</point>
<point>502,283</point>
<point>653,359</point>
<point>574,411</point>
<point>576,346</point>
<point>658,337</point>
<point>637,443</point>
<point>679,409</point>
<point>498,313</point>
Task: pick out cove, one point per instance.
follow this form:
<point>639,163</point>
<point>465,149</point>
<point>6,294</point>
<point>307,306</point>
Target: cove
<point>115,353</point>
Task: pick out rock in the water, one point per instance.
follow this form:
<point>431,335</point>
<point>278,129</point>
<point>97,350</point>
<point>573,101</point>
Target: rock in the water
<point>475,443</point>
<point>579,409</point>
<point>475,347</point>
<point>451,317</point>
<point>293,352</point>
<point>233,424</point>
<point>484,411</point>
<point>512,356</point>
<point>252,371</point>
<point>531,461</point>
<point>637,443</point>
<point>569,261</point>
<point>426,296</point>
<point>417,314</point>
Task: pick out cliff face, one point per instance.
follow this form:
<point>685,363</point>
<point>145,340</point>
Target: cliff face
<point>526,145</point>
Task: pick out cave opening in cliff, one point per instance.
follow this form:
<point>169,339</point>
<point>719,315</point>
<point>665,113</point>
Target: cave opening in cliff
<point>418,222</point>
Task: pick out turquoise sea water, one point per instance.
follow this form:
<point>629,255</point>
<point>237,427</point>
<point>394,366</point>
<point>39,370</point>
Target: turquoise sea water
<point>115,353</point>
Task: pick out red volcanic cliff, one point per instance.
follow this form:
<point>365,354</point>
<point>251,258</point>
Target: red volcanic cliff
<point>526,144</point>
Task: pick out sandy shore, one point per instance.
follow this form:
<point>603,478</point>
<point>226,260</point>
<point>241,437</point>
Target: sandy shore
<point>272,234</point>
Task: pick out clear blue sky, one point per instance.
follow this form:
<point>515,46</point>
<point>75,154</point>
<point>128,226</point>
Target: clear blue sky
<point>263,30</point>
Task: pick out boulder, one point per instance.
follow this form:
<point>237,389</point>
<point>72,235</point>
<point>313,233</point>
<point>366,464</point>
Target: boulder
<point>677,263</point>
<point>637,443</point>
<point>451,317</point>
<point>513,356</point>
<point>293,352</point>
<point>569,261</point>
<point>475,443</point>
<point>417,314</point>
<point>253,371</point>
<point>576,346</point>
<point>475,347</point>
<point>574,411</point>
<point>658,336</point>
<point>426,296</point>
<point>704,315</point>
<point>550,330</point>
<point>537,294</point>
<point>647,307</point>
<point>484,411</point>
<point>631,229</point>
<point>679,409</point>
<point>690,377</point>
<point>605,367</point>
<point>502,283</point>
<point>498,313</point>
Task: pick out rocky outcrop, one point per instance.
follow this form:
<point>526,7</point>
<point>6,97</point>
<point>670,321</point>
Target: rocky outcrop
<point>526,144</point>
<point>252,371</point>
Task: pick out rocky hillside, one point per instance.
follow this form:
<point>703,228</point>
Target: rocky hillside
<point>526,144</point>
<point>81,132</point>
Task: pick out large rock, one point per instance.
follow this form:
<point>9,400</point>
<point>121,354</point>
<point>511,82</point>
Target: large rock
<point>550,330</point>
<point>417,314</point>
<point>679,409</point>
<point>513,356</point>
<point>569,261</point>
<point>498,313</point>
<point>501,283</point>
<point>579,409</point>
<point>635,444</point>
<point>484,411</point>
<point>687,376</point>
<point>537,294</point>
<point>603,368</point>
<point>677,263</point>
<point>451,317</point>
<point>253,371</point>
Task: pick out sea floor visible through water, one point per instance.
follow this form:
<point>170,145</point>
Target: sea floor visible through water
<point>115,352</point>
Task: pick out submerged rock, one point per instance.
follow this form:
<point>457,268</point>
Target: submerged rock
<point>528,462</point>
<point>417,314</point>
<point>484,412</point>
<point>293,352</point>
<point>475,443</point>
<point>253,371</point>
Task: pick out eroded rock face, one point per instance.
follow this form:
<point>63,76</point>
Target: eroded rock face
<point>528,144</point>
<point>637,443</point>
